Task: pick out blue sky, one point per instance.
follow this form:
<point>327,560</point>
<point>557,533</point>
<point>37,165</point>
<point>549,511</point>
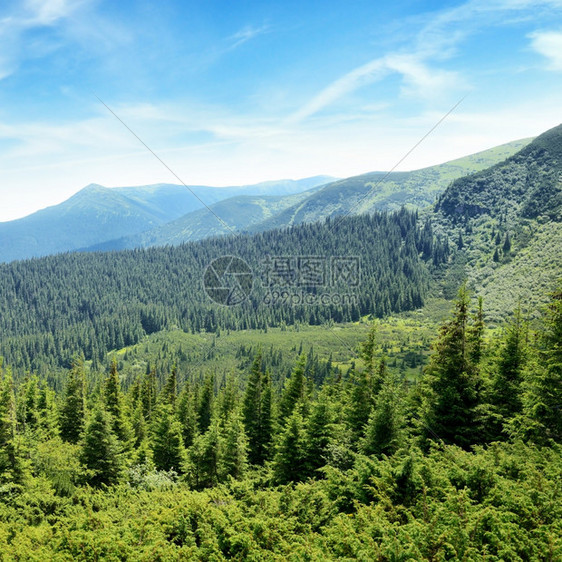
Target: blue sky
<point>237,92</point>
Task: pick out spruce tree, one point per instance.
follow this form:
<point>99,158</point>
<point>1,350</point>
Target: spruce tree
<point>167,443</point>
<point>11,468</point>
<point>289,463</point>
<point>295,391</point>
<point>206,399</point>
<point>507,389</point>
<point>187,415</point>
<point>386,424</point>
<point>256,412</point>
<point>451,381</point>
<point>114,406</point>
<point>205,456</point>
<point>100,451</point>
<point>543,401</point>
<point>318,436</point>
<point>73,410</point>
<point>235,452</point>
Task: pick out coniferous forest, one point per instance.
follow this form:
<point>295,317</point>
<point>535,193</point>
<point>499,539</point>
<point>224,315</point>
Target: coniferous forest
<point>463,464</point>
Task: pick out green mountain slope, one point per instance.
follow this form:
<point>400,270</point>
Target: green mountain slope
<point>353,195</point>
<point>506,223</point>
<point>97,214</point>
<point>378,190</point>
<point>239,213</point>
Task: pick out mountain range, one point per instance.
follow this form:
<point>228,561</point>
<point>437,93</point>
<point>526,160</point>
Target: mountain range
<point>99,218</point>
<point>97,214</point>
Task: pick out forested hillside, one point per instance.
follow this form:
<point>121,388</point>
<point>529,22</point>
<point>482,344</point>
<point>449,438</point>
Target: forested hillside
<point>505,225</point>
<point>56,306</point>
<point>467,464</point>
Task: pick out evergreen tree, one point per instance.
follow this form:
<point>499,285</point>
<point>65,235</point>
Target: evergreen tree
<point>170,390</point>
<point>148,393</point>
<point>289,463</point>
<point>100,451</point>
<point>450,409</point>
<point>318,436</point>
<point>47,412</point>
<point>205,456</point>
<point>506,244</point>
<point>167,442</point>
<point>113,400</point>
<point>235,454</point>
<point>543,401</point>
<point>11,468</point>
<point>73,410</point>
<point>206,399</point>
<point>256,412</point>
<point>507,389</point>
<point>187,415</point>
<point>386,423</point>
<point>295,391</point>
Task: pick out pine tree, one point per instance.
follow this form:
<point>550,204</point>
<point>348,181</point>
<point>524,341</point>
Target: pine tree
<point>47,412</point>
<point>450,409</point>
<point>148,393</point>
<point>170,390</point>
<point>206,399</point>
<point>256,412</point>
<point>543,401</point>
<point>11,468</point>
<point>386,424</point>
<point>73,410</point>
<point>506,244</point>
<point>114,406</point>
<point>290,456</point>
<point>100,451</point>
<point>205,456</point>
<point>507,390</point>
<point>235,453</point>
<point>295,391</point>
<point>187,415</point>
<point>318,436</point>
<point>167,442</point>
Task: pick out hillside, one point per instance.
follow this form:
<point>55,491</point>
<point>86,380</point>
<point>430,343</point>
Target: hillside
<point>56,306</point>
<point>415,189</point>
<point>506,225</point>
<point>239,213</point>
<point>97,214</point>
<point>378,190</point>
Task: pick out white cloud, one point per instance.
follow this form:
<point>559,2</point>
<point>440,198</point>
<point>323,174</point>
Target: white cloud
<point>549,45</point>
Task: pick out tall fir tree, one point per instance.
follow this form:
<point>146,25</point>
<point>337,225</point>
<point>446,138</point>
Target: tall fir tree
<point>385,427</point>
<point>543,400</point>
<point>451,380</point>
<point>114,406</point>
<point>257,414</point>
<point>234,459</point>
<point>167,442</point>
<point>11,466</point>
<point>73,410</point>
<point>289,463</point>
<point>100,451</point>
<point>507,382</point>
<point>295,391</point>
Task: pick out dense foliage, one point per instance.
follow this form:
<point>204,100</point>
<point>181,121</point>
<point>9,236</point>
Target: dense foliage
<point>363,466</point>
<point>55,307</point>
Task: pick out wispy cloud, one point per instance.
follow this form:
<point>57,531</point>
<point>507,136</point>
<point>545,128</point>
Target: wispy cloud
<point>435,42</point>
<point>246,34</point>
<point>549,45</point>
